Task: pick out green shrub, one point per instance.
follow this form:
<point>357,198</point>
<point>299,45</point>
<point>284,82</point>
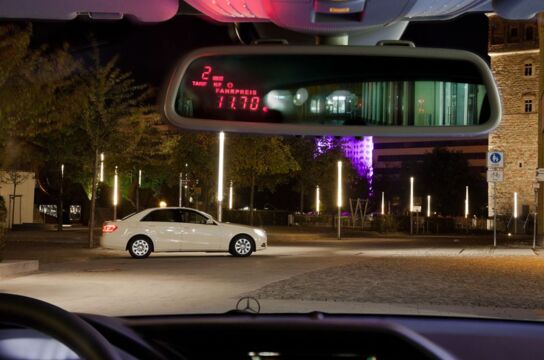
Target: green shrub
<point>386,223</point>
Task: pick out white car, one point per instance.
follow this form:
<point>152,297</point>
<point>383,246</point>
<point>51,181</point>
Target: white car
<point>174,229</point>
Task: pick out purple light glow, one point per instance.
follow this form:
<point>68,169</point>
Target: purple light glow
<point>358,151</point>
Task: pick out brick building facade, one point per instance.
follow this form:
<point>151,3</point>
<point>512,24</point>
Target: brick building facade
<point>514,52</point>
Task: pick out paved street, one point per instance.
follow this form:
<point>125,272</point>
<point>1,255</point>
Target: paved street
<point>422,275</point>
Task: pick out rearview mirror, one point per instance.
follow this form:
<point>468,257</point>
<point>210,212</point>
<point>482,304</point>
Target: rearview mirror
<point>334,90</point>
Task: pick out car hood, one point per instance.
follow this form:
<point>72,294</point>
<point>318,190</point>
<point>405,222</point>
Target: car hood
<point>238,227</point>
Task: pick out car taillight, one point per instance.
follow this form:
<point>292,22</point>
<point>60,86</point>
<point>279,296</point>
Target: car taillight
<point>108,228</point>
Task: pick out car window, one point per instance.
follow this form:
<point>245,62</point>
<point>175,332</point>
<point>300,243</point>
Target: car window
<point>166,215</point>
<point>192,217</point>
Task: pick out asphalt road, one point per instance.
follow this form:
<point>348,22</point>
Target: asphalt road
<point>407,276</point>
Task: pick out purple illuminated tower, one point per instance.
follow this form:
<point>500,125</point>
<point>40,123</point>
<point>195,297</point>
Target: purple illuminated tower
<point>358,150</point>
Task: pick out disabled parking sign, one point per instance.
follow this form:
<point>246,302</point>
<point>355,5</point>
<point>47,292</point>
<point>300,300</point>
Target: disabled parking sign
<point>495,159</point>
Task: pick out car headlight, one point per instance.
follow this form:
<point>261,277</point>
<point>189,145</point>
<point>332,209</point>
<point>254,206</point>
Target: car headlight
<point>260,232</point>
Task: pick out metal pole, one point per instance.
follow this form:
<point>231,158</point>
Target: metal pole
<point>494,214</point>
<point>338,225</point>
<point>61,195</point>
<point>115,194</point>
<point>535,218</point>
<point>220,176</point>
<point>180,201</point>
<point>516,213</point>
<point>339,197</point>
<point>411,223</point>
<point>411,205</point>
<point>138,190</point>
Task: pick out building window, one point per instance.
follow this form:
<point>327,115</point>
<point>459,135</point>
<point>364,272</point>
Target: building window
<point>513,33</point>
<point>497,33</point>
<point>529,33</point>
<point>528,105</point>
<point>528,69</point>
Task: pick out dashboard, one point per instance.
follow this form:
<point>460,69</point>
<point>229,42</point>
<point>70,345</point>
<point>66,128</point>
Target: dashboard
<point>304,336</point>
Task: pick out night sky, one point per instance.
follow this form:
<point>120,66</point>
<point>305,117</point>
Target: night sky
<point>150,51</point>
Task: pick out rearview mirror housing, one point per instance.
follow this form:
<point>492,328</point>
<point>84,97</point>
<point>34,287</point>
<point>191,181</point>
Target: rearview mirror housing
<point>334,90</point>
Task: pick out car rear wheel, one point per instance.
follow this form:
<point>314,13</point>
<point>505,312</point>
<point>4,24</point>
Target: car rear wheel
<point>241,246</point>
<point>140,248</point>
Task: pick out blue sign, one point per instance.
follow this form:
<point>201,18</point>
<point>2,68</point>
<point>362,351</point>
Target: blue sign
<point>495,159</point>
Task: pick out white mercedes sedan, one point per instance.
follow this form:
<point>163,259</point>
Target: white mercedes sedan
<point>175,229</point>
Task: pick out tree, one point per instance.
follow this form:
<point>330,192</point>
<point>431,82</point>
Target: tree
<point>36,94</point>
<point>111,120</point>
<point>319,168</point>
<point>13,177</point>
<point>444,174</point>
<point>199,150</point>
<point>262,161</point>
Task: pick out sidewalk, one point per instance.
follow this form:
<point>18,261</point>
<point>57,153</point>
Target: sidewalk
<point>285,234</point>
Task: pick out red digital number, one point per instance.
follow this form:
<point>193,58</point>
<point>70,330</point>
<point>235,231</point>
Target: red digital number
<point>244,104</point>
<point>254,103</point>
<point>220,104</point>
<point>233,102</point>
<point>206,73</point>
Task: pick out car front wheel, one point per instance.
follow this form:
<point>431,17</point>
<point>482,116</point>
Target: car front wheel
<point>139,248</point>
<point>241,246</point>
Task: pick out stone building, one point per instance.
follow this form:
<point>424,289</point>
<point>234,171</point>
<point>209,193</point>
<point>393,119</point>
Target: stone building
<point>514,52</point>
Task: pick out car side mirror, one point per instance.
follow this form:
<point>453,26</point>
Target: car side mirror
<point>210,222</point>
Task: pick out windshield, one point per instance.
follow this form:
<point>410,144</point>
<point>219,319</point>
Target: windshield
<point>354,224</point>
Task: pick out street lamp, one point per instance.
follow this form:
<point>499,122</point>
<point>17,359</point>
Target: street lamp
<point>180,197</point>
<point>383,203</point>
<point>317,200</point>
<point>138,190</point>
<point>60,217</point>
<point>101,167</point>
<point>515,212</point>
<point>115,194</point>
<point>220,175</point>
<point>466,202</point>
<point>428,205</point>
<point>230,196</point>
<point>411,205</point>
<point>339,196</point>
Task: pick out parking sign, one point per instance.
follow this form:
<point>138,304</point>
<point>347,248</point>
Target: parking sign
<point>495,159</point>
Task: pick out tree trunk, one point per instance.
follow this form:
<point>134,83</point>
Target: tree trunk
<point>251,199</point>
<point>301,198</point>
<point>93,201</point>
<point>14,201</point>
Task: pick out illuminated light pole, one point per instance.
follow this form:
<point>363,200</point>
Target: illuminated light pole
<point>220,176</point>
<point>115,194</point>
<point>339,197</point>
<point>466,202</point>
<point>101,167</point>
<point>230,196</point>
<point>317,200</point>
<point>60,217</point>
<point>383,203</point>
<point>428,211</point>
<point>515,213</point>
<point>180,197</point>
<point>138,190</point>
<point>411,205</point>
